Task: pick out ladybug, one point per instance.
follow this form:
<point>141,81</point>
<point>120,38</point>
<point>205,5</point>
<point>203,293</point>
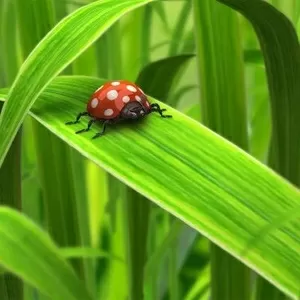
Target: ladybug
<point>117,101</point>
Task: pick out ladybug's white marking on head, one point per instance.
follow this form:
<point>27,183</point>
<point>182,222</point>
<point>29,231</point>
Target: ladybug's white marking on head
<point>115,83</point>
<point>100,88</point>
<point>131,88</point>
<point>138,98</point>
<point>108,112</point>
<point>112,95</point>
<point>94,103</point>
<point>125,99</point>
<point>147,104</point>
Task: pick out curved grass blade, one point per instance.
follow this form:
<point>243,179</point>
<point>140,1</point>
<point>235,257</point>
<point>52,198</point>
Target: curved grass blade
<point>163,68</point>
<point>138,207</point>
<point>223,107</point>
<point>201,178</point>
<point>60,47</point>
<point>30,254</point>
<point>281,52</point>
<point>280,47</point>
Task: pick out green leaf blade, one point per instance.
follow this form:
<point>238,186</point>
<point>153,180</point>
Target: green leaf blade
<point>30,253</point>
<point>281,52</point>
<point>60,46</point>
<point>223,107</point>
<point>166,69</point>
<point>231,196</point>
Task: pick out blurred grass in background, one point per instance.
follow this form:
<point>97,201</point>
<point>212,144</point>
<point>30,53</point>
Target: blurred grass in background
<point>131,248</point>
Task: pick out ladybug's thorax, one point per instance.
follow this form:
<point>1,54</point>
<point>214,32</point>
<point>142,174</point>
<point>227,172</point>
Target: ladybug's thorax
<point>133,110</point>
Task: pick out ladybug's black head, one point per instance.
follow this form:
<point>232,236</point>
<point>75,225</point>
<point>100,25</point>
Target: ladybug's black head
<point>133,110</point>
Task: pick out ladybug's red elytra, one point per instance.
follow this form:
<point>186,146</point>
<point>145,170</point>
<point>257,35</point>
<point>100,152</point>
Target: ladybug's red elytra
<point>116,101</point>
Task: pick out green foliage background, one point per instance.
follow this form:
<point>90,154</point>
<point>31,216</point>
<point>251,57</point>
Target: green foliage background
<point>167,209</point>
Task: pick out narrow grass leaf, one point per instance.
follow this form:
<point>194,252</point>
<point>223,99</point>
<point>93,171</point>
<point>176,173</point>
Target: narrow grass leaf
<point>163,73</point>
<point>11,287</point>
<point>60,47</point>
<point>137,219</point>
<point>140,206</point>
<point>8,35</point>
<point>230,195</point>
<point>201,286</point>
<point>178,31</point>
<point>159,8</point>
<point>146,35</point>
<point>281,51</point>
<point>29,253</point>
<point>179,234</point>
<point>62,216</point>
<point>280,47</point>
<point>31,13</point>
<point>223,107</point>
<point>10,195</point>
<point>132,34</point>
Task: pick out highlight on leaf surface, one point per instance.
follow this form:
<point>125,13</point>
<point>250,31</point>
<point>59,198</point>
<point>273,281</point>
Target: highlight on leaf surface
<point>230,197</point>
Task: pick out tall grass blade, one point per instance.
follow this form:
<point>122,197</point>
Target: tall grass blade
<point>160,10</point>
<point>178,31</point>
<point>281,51</point>
<point>223,107</point>
<point>201,286</point>
<point>30,254</point>
<point>157,79</point>
<point>163,72</point>
<point>11,287</point>
<point>179,231</point>
<point>133,31</point>
<point>9,54</point>
<point>138,207</point>
<point>57,179</point>
<point>10,195</point>
<point>146,35</point>
<point>138,210</point>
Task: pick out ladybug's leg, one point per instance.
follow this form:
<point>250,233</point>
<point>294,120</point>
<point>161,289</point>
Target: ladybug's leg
<point>155,107</point>
<point>77,118</point>
<point>91,122</point>
<point>105,123</point>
